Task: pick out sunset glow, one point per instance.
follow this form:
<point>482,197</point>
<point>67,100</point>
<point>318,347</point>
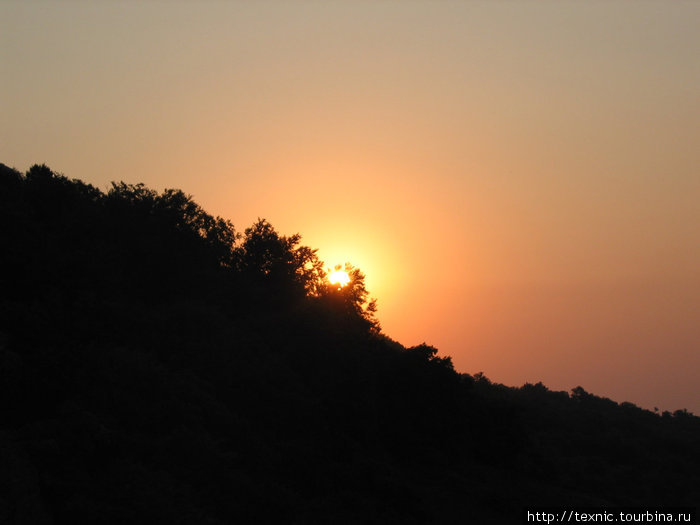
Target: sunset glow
<point>518,181</point>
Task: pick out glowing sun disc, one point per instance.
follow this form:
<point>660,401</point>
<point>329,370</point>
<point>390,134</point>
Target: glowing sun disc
<point>339,277</point>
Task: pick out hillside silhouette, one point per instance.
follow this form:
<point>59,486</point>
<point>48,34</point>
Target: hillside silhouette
<point>159,366</point>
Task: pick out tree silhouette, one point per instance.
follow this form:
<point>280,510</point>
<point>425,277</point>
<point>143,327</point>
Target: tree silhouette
<point>278,262</point>
<point>158,367</point>
<point>352,299</point>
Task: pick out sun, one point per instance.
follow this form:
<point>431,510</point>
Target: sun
<point>339,277</point>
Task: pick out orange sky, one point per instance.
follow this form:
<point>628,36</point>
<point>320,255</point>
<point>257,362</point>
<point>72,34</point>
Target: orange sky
<point>519,181</point>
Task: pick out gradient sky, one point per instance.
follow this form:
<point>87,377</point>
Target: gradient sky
<point>519,180</point>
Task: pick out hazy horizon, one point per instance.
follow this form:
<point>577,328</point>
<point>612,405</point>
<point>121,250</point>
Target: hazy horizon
<point>519,181</point>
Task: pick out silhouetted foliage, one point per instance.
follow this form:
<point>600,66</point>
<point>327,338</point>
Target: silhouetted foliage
<point>278,264</point>
<point>349,304</point>
<point>158,367</point>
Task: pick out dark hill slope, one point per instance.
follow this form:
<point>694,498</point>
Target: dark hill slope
<point>157,367</point>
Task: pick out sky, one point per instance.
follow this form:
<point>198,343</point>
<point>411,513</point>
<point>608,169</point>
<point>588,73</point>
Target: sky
<point>519,181</point>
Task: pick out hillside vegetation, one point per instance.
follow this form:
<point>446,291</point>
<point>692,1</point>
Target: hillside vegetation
<point>159,366</point>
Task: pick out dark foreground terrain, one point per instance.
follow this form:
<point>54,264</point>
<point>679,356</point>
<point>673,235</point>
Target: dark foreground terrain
<point>158,367</point>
